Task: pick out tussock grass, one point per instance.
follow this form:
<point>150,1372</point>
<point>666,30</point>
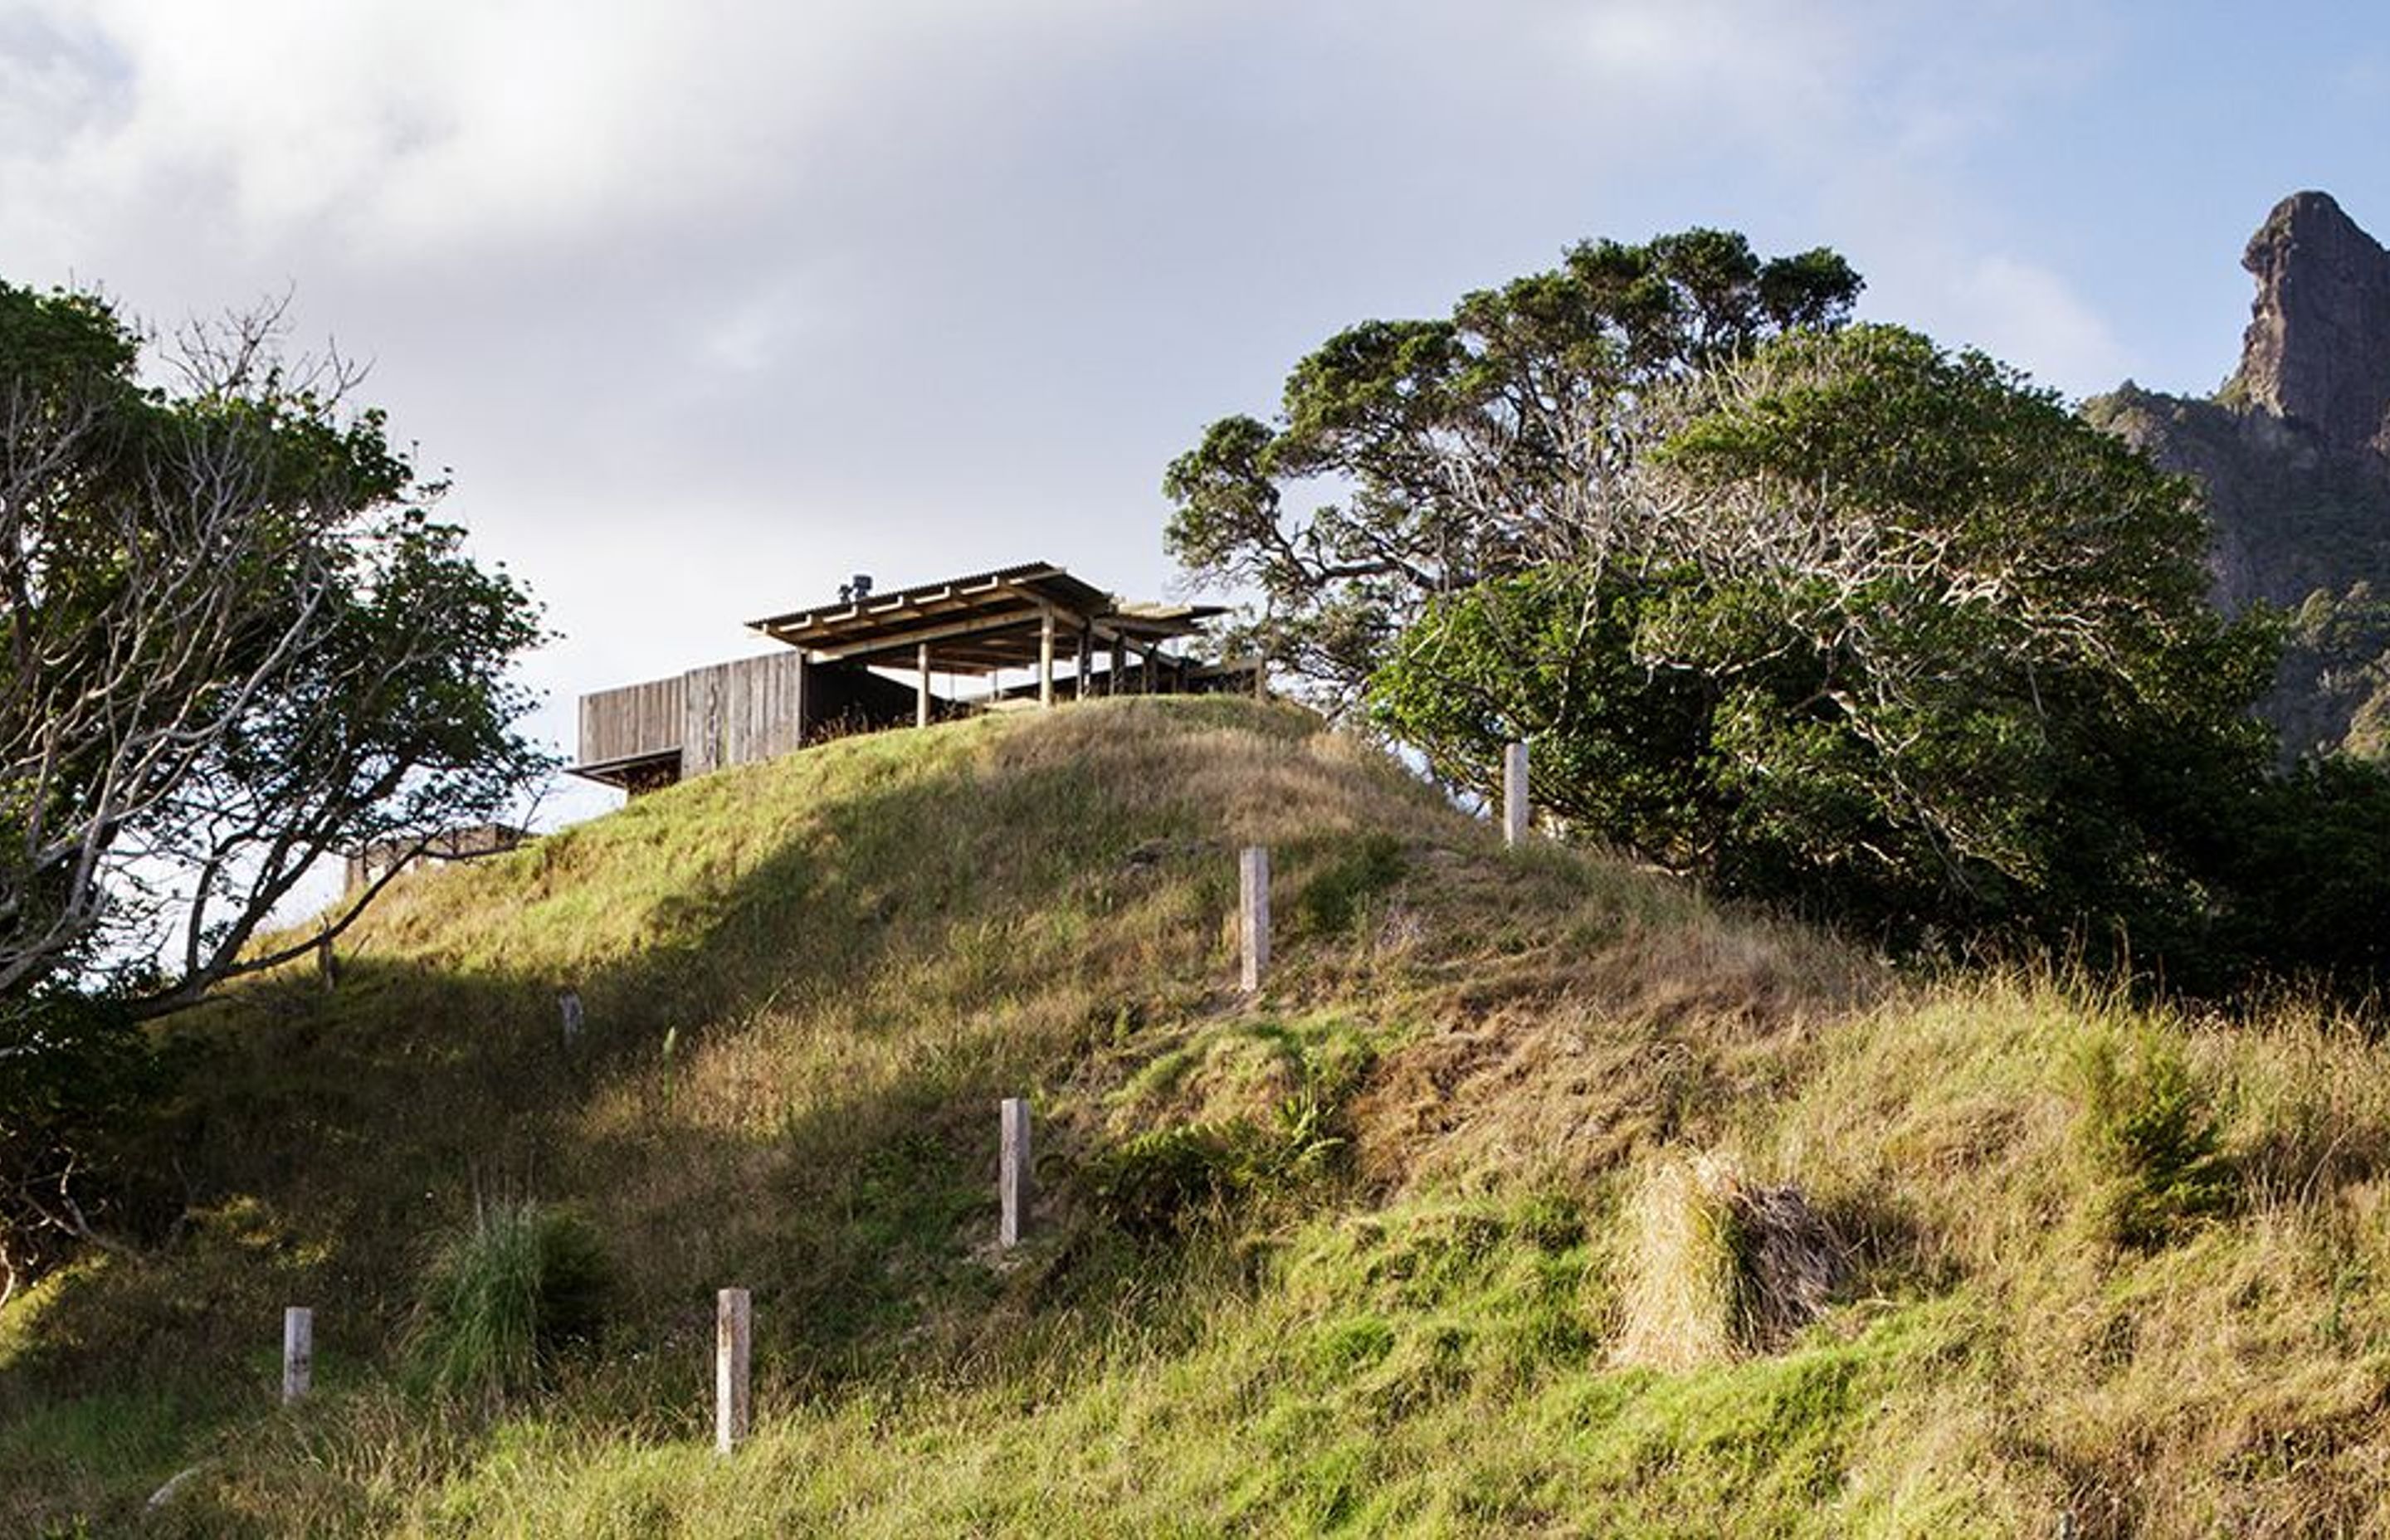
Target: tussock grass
<point>1720,1267</point>
<point>506,1296</point>
<point>1443,1232</point>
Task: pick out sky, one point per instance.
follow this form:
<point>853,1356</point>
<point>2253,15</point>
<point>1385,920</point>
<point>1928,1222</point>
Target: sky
<point>709,305</point>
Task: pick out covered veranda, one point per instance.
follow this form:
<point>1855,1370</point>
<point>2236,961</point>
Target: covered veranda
<point>1071,639</point>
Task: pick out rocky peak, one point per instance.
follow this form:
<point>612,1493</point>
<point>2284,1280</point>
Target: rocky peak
<point>2318,347</point>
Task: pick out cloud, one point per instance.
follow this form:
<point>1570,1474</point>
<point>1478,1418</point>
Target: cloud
<point>2017,311</point>
<point>459,127</point>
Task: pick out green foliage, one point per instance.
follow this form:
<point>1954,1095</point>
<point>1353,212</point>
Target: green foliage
<point>1879,630</point>
<point>1332,897</point>
<point>74,1071</point>
<point>2149,1126</point>
<point>505,1297</point>
<point>234,641</point>
<point>1619,743</point>
<point>1458,447</point>
<point>1167,1181</point>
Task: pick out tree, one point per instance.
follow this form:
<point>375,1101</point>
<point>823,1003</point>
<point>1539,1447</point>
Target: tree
<point>233,641</point>
<point>1879,630</point>
<point>1449,453</point>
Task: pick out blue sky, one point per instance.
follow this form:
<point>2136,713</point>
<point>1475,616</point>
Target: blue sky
<point>712,303</point>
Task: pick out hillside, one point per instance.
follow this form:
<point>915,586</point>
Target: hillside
<point>1531,1196</point>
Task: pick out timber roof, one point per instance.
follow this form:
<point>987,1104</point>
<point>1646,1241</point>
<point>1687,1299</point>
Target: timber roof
<point>982,622</point>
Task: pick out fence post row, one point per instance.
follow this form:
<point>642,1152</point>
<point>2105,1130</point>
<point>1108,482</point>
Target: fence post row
<point>1013,1180</point>
<point>298,1352</point>
<point>1253,914</point>
<point>733,1347</point>
<point>1514,792</point>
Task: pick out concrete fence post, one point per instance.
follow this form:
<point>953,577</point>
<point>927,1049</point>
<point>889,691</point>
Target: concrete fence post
<point>567,1006</point>
<point>733,1347</point>
<point>1253,914</point>
<point>1012,1179</point>
<point>1514,793</point>
<point>298,1353</point>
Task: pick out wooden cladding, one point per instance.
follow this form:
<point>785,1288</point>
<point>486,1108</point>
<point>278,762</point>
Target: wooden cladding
<point>739,713</point>
<point>632,721</point>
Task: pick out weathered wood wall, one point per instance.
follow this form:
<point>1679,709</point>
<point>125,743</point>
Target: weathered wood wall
<point>634,720</point>
<point>743,712</point>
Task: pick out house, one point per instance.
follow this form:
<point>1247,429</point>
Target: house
<point>954,643</point>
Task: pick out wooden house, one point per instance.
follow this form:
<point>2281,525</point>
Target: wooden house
<point>954,643</point>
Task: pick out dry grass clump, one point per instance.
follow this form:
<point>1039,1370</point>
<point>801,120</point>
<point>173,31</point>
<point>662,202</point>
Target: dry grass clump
<point>1719,1267</point>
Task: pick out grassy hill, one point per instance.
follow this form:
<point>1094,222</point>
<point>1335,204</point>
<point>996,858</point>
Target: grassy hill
<point>1531,1196</point>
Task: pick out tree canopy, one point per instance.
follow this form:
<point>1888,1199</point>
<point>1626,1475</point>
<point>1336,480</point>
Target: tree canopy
<point>1818,613</point>
<point>1876,628</point>
<point>1416,459</point>
<point>234,641</point>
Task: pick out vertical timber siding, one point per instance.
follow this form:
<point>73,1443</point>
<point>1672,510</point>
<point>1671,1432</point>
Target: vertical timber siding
<point>635,720</point>
<point>739,713</point>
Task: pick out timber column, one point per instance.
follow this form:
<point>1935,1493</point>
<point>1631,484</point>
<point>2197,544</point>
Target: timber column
<point>1045,658</point>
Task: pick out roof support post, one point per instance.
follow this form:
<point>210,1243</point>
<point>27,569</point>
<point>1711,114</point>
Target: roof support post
<point>1046,657</point>
<point>1086,647</point>
<point>1120,665</point>
<point>921,690</point>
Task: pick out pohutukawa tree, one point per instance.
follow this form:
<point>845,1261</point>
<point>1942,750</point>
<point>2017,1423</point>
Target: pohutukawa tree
<point>233,640</point>
<point>1417,458</point>
<point>1875,627</point>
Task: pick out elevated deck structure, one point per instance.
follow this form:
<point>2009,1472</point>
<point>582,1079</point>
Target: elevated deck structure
<point>1070,637</point>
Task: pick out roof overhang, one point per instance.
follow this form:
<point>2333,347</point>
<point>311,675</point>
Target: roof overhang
<point>980,623</point>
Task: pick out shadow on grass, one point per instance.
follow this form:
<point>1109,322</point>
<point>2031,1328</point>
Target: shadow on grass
<point>793,1090</point>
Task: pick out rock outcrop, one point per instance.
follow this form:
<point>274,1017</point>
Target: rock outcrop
<point>2318,347</point>
<point>2295,450</point>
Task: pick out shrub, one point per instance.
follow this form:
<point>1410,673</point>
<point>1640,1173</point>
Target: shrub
<point>504,1296</point>
<point>2155,1139</point>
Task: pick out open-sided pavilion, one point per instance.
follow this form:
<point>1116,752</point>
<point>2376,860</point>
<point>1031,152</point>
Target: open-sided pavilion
<point>1069,637</point>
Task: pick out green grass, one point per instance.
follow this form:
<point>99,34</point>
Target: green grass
<point>1409,1224</point>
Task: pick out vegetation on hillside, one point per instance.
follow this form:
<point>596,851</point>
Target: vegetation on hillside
<point>1392,1248</point>
<point>233,643</point>
<point>1823,616</point>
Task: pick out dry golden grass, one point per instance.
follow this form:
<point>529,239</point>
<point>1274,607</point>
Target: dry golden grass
<point>806,983</point>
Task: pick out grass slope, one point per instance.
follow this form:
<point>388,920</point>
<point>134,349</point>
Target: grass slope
<point>1355,1256</point>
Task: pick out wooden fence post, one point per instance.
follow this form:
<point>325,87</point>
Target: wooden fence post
<point>733,1343</point>
<point>1253,914</point>
<point>1514,793</point>
<point>298,1353</point>
<point>1013,1179</point>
